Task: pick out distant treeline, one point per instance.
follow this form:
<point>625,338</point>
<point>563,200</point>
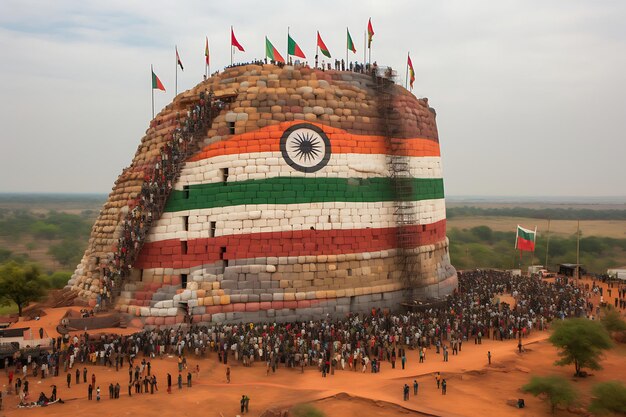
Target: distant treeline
<point>481,247</point>
<point>545,213</point>
<point>16,224</point>
<point>64,236</point>
<point>44,198</point>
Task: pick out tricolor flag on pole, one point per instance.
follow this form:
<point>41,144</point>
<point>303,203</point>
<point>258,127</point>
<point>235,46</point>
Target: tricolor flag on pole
<point>322,46</point>
<point>293,48</point>
<point>411,71</point>
<point>525,239</point>
<point>271,52</point>
<point>178,61</point>
<point>156,83</point>
<point>370,33</point>
<point>206,52</point>
<point>350,44</point>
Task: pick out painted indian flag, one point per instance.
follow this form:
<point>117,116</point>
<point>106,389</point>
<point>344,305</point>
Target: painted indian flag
<point>295,189</point>
<point>525,240</point>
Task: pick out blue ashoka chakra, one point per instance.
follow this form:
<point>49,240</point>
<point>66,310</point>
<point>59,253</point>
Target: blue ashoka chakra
<point>305,147</point>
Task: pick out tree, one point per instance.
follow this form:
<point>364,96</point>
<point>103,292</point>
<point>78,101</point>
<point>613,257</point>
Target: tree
<point>67,253</point>
<point>59,279</point>
<point>612,320</point>
<point>21,284</point>
<point>608,397</point>
<point>581,342</point>
<point>558,390</point>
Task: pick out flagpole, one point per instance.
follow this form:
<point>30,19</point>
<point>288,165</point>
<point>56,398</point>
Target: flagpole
<point>152,89</point>
<point>231,46</point>
<point>547,244</point>
<point>578,251</point>
<point>176,77</point>
<point>287,63</point>
<point>364,47</point>
<point>347,32</point>
<point>534,246</point>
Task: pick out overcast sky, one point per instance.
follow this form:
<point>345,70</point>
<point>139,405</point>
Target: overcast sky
<point>530,94</point>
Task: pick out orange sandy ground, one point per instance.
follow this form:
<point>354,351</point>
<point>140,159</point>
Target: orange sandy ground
<point>474,388</point>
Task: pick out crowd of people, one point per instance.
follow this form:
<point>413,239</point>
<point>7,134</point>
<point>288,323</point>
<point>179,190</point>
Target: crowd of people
<point>157,183</point>
<point>357,343</point>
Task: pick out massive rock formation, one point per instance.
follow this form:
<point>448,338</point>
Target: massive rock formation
<point>308,193</point>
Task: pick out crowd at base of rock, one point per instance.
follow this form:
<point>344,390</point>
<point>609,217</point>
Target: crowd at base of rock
<point>357,343</point>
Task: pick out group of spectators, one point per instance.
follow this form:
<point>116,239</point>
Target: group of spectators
<point>358,343</point>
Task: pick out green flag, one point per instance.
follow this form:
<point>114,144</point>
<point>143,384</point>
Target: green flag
<point>350,45</point>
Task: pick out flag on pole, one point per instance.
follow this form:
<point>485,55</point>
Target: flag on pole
<point>180,63</point>
<point>206,51</point>
<point>322,45</point>
<point>293,48</point>
<point>411,71</point>
<point>271,52</point>
<point>350,44</point>
<point>234,42</point>
<point>370,33</point>
<point>525,239</point>
<point>156,83</point>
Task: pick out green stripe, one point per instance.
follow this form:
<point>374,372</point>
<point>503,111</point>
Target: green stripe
<point>525,235</point>
<point>298,190</point>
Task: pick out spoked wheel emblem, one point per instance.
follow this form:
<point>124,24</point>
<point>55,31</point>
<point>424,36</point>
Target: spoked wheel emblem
<point>305,147</point>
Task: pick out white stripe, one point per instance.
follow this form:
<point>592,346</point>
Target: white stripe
<point>263,218</point>
<point>262,165</point>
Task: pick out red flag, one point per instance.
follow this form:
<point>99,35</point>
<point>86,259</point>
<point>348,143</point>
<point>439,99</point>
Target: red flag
<point>411,71</point>
<point>370,33</point>
<point>234,42</point>
<point>322,45</point>
<point>178,61</point>
<point>206,51</point>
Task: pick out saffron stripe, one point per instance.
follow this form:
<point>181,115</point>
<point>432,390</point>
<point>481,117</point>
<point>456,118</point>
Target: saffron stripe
<point>296,190</point>
<point>169,253</point>
<point>267,139</point>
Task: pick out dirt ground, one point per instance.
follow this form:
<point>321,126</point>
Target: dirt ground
<point>474,387</point>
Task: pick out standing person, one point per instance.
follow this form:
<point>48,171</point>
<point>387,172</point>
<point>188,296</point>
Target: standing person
<point>403,358</point>
<point>180,381</point>
<point>90,392</point>
<point>438,379</point>
<point>93,379</point>
<point>98,393</point>
<point>415,387</point>
<point>188,379</point>
<point>444,387</point>
<point>405,391</point>
<point>246,403</point>
<point>77,376</point>
<point>69,379</point>
<point>169,383</point>
<point>242,403</point>
<point>489,356</point>
<point>228,374</point>
<point>85,375</point>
